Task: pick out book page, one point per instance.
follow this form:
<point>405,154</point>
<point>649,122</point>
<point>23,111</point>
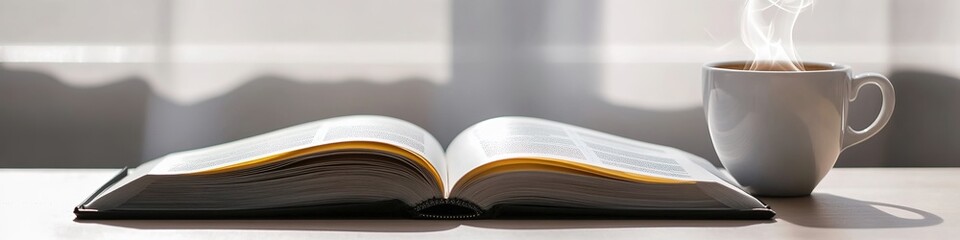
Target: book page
<point>335,130</point>
<point>522,137</point>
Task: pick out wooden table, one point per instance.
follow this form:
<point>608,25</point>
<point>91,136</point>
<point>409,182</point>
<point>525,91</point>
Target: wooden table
<point>851,203</point>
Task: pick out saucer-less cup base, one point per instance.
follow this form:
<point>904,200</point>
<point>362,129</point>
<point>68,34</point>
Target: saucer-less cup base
<point>779,132</point>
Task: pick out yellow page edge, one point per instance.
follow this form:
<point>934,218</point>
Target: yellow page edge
<point>560,165</point>
<point>339,146</point>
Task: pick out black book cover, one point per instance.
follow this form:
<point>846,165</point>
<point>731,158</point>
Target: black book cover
<point>430,209</point>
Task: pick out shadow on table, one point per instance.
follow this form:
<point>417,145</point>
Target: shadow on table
<point>831,211</point>
<point>407,225</point>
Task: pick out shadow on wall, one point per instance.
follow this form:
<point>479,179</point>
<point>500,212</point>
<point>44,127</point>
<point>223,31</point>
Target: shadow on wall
<point>44,123</point>
<point>48,124</point>
<point>925,128</point>
<point>923,131</point>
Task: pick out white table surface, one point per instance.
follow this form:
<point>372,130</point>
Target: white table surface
<point>851,203</point>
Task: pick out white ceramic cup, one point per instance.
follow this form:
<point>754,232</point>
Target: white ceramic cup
<point>779,132</point>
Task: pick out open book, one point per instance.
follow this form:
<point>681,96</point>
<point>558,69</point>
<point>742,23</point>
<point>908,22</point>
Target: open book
<point>357,166</point>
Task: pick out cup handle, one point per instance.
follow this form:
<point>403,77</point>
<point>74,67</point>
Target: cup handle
<point>852,136</point>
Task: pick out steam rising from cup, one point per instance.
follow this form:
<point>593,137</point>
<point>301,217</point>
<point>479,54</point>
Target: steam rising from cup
<point>767,29</point>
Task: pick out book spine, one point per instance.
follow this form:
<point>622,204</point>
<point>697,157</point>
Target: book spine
<point>438,208</point>
<point>82,210</point>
